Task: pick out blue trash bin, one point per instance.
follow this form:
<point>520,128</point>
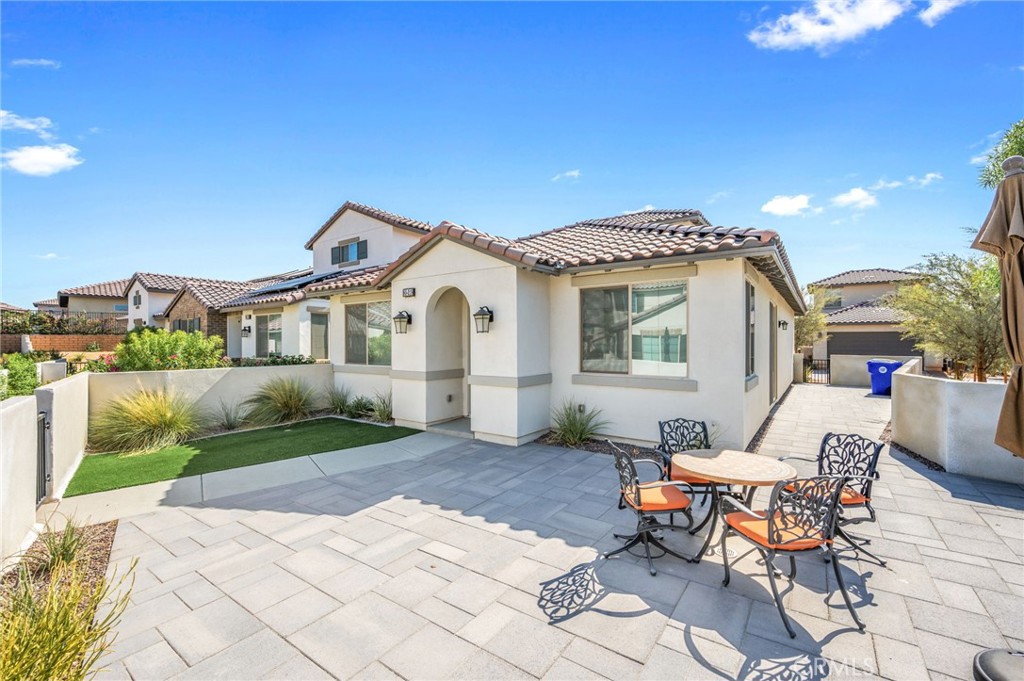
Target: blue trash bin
<point>881,375</point>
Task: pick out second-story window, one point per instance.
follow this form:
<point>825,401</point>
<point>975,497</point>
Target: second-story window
<point>348,253</point>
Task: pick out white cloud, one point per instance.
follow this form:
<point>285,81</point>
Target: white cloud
<point>926,180</point>
<point>39,63</point>
<point>825,24</point>
<point>40,125</point>
<point>934,12</point>
<point>857,198</point>
<point>42,160</point>
<point>648,206</point>
<point>718,196</point>
<point>885,184</point>
<point>51,256</point>
<point>567,175</point>
<point>982,158</point>
<point>789,206</point>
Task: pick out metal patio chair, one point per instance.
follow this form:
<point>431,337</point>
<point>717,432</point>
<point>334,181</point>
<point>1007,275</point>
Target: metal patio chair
<point>856,457</point>
<point>801,517</point>
<point>681,435</point>
<point>649,500</point>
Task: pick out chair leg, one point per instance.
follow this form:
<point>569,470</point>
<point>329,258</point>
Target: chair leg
<point>725,556</point>
<point>858,548</point>
<point>700,526</point>
<point>768,560</point>
<point>647,551</point>
<point>633,541</point>
<point>846,595</point>
<point>792,568</point>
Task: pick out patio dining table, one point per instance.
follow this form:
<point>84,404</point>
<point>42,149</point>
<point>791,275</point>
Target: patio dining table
<point>728,466</point>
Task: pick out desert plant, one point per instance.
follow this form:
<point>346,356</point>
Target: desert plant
<point>575,424</point>
<point>337,399</point>
<point>230,416</point>
<point>381,410</point>
<point>59,548</point>
<point>22,378</point>
<point>161,350</point>
<point>60,628</point>
<point>279,400</point>
<point>359,407</point>
<point>145,421</point>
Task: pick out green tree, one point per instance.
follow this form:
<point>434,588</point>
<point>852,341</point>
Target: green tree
<point>810,327</point>
<point>1011,144</point>
<point>954,310</point>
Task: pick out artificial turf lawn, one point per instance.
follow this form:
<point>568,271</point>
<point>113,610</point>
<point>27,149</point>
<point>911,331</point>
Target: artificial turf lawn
<point>101,472</point>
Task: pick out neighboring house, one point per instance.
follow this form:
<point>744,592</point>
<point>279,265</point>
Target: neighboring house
<point>196,306</point>
<point>646,316</point>
<point>149,294</point>
<point>106,297</point>
<point>858,320</point>
<point>4,307</point>
<point>51,305</point>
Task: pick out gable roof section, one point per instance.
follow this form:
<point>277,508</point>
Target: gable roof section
<point>868,312</point>
<point>6,307</point>
<point>663,216</point>
<point>392,219</point>
<point>104,289</point>
<point>876,275</point>
<point>49,302</point>
<point>361,278</point>
<point>210,295</point>
<point>172,283</point>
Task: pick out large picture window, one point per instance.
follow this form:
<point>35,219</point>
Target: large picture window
<point>268,335</point>
<point>368,333</point>
<point>751,327</point>
<point>638,329</point>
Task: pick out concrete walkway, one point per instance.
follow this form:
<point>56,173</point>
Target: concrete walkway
<point>480,562</point>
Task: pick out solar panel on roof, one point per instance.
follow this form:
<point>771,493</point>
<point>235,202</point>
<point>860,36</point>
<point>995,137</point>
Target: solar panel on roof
<point>297,282</point>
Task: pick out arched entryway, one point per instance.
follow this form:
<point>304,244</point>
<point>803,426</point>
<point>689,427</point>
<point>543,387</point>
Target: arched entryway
<point>448,356</point>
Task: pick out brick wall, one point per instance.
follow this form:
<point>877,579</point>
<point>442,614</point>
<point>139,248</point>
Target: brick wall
<point>61,343</point>
<point>211,322</point>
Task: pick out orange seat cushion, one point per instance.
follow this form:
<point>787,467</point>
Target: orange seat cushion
<point>848,497</point>
<point>756,530</point>
<point>661,498</point>
<point>682,476</point>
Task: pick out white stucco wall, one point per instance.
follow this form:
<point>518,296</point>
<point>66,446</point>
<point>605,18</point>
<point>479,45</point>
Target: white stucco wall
<point>17,475</point>
<point>207,386</point>
<point>66,404</point>
<point>852,370</point>
<point>94,304</point>
<point>384,242</point>
<point>153,303</point>
<point>952,423</point>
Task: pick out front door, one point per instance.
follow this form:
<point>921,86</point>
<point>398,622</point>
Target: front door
<point>773,353</point>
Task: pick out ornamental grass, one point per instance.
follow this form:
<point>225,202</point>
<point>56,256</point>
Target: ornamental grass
<point>145,421</point>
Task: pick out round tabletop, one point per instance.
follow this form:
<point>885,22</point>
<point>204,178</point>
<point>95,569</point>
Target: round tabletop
<point>733,467</point>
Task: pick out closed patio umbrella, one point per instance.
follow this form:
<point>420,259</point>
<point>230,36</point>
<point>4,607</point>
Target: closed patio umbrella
<point>1002,235</point>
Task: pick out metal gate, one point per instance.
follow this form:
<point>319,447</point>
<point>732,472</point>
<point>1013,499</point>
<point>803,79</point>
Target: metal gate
<point>817,371</point>
<point>42,456</point>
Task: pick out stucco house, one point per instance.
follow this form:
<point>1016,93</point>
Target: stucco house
<point>105,297</point>
<point>858,320</point>
<point>646,316</point>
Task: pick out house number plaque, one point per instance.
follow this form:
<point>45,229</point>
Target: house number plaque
<point>408,293</point>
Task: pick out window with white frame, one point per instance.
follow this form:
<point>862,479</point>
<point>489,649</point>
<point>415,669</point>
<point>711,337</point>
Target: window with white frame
<point>268,335</point>
<point>348,253</point>
<point>186,325</point>
<point>751,327</point>
<point>368,333</point>
<point>319,323</point>
<point>638,329</point>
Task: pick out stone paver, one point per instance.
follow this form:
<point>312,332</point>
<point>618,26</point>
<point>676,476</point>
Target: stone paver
<point>455,559</point>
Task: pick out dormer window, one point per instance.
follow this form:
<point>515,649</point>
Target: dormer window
<point>348,253</point>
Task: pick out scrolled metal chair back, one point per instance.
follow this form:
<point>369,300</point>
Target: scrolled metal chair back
<point>680,435</point>
<point>629,481</point>
<point>852,455</point>
<point>803,509</point>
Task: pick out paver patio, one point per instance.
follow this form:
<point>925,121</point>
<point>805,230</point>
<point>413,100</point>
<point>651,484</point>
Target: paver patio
<point>480,562</point>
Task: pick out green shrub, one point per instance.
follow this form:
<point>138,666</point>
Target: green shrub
<point>337,399</point>
<point>159,350</point>
<point>275,361</point>
<point>230,416</point>
<point>279,400</point>
<point>92,347</point>
<point>21,375</point>
<point>60,628</point>
<point>381,410</point>
<point>575,424</point>
<point>3,385</point>
<point>359,407</point>
<point>144,422</point>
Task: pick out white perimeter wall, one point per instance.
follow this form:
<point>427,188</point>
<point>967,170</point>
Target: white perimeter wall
<point>852,370</point>
<point>953,423</point>
<point>207,386</point>
<point>66,404</point>
<point>17,474</point>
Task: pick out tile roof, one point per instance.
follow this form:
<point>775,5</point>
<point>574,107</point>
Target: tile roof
<point>876,275</point>
<point>172,283</point>
<point>868,312</point>
<point>363,277</point>
<point>211,295</point>
<point>392,219</point>
<point>276,278</point>
<point>49,302</point>
<point>665,215</point>
<point>5,307</point>
<point>104,289</point>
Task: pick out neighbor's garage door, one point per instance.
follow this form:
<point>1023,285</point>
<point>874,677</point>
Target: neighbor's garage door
<point>870,343</point>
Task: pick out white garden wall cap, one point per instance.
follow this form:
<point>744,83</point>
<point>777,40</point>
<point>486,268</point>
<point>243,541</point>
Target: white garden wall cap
<point>874,275</point>
<point>103,289</point>
<point>392,219</point>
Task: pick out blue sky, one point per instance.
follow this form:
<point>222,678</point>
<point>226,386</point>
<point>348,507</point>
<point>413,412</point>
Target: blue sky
<point>214,139</point>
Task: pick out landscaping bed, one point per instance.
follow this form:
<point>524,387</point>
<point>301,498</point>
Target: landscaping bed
<point>102,472</point>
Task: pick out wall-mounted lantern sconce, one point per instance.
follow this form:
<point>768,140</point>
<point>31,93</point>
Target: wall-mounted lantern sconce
<point>402,321</point>
<point>483,318</point>
<point>783,324</point>
<point>246,330</point>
